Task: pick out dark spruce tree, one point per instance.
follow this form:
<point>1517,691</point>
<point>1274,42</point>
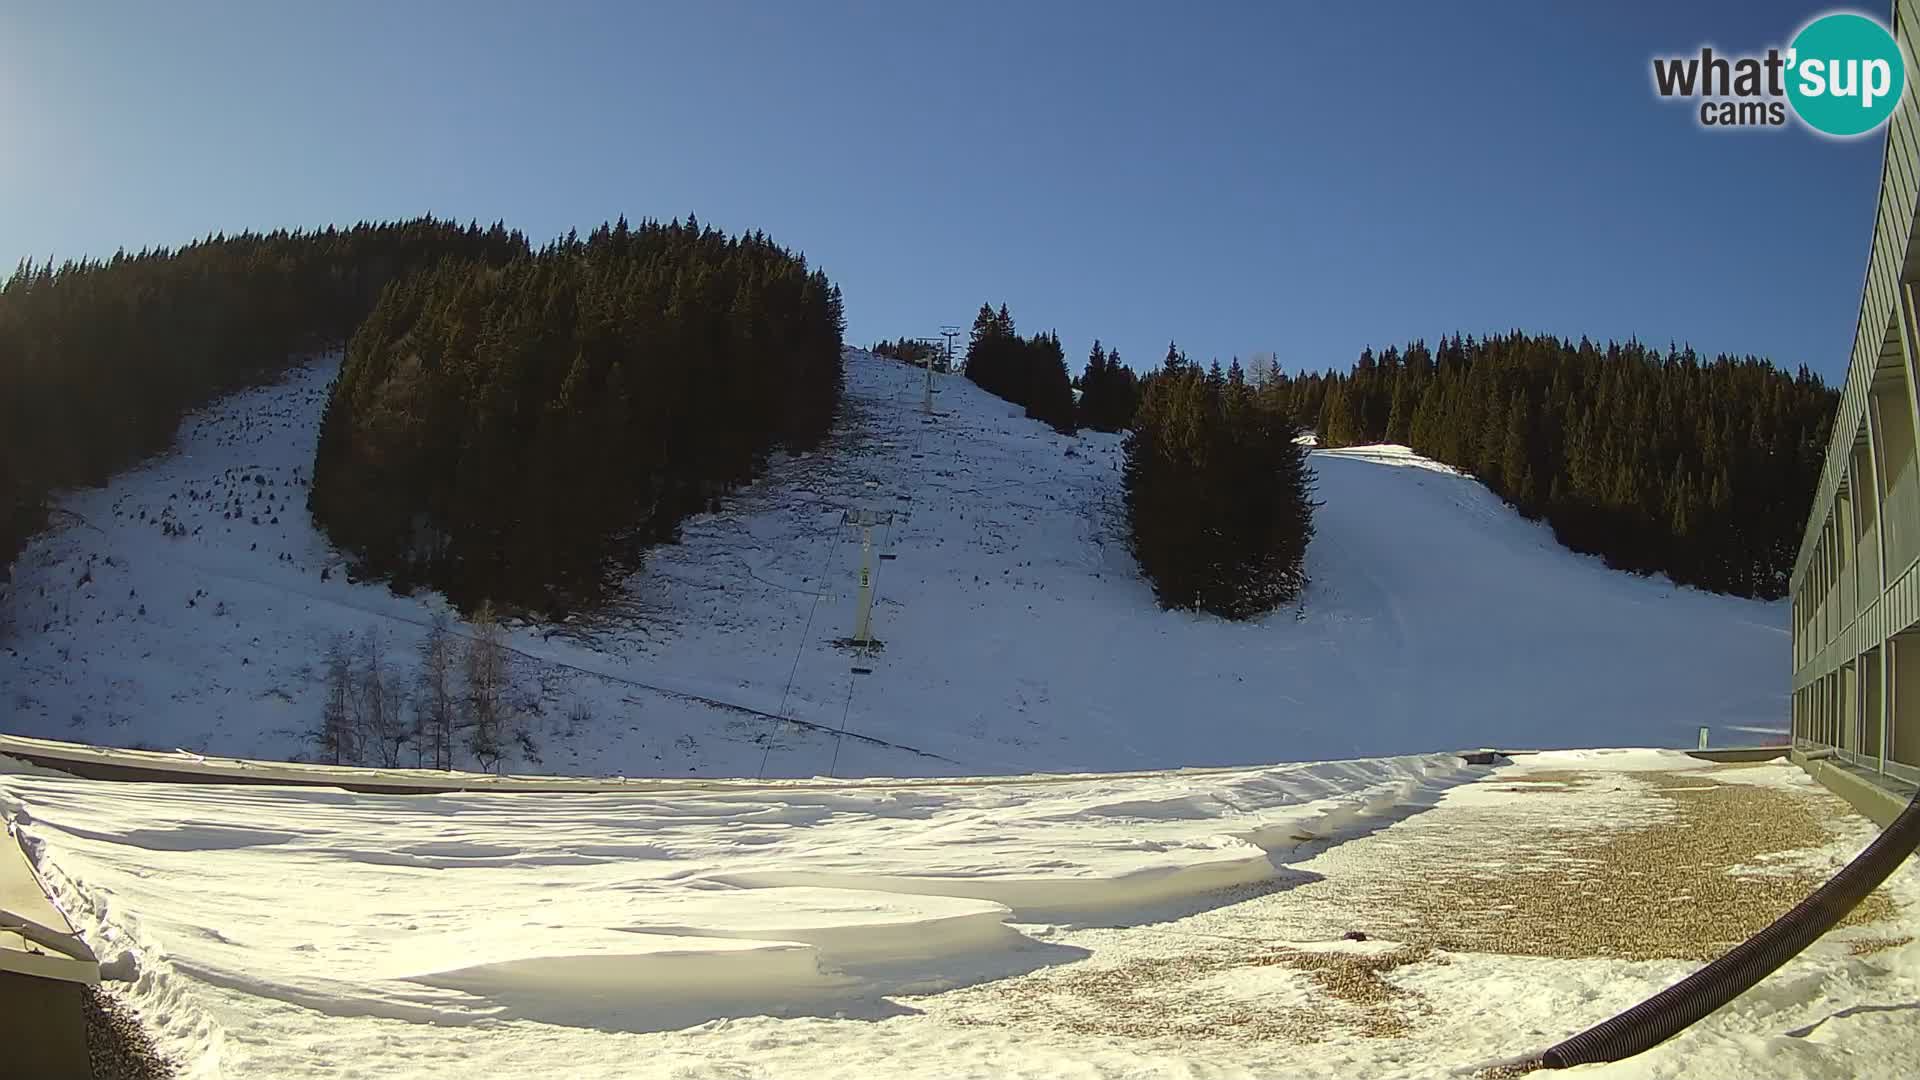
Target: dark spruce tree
<point>522,433</point>
<point>990,348</point>
<point>1218,494</point>
<point>1108,391</point>
<point>1050,391</point>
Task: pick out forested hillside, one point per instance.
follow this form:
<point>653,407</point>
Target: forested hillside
<point>1657,461</point>
<point>100,359</point>
<point>523,432</point>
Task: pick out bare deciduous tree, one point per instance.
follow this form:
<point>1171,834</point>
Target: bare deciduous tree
<point>336,717</point>
<point>381,701</point>
<point>486,671</point>
<point>435,705</point>
<point>1263,369</point>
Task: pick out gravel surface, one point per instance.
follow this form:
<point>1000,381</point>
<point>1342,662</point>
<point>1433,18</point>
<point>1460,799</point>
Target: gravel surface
<point>116,1043</point>
<point>1688,873</point>
<point>1166,998</point>
<point>1622,865</point>
<point>1867,946</point>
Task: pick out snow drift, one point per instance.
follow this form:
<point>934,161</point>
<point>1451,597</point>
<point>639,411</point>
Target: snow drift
<point>653,910</point>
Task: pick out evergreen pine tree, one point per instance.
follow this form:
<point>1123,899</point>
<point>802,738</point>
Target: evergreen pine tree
<point>1400,414</point>
<point>1050,393</point>
<point>1218,494</point>
<point>1517,457</point>
<point>1094,389</point>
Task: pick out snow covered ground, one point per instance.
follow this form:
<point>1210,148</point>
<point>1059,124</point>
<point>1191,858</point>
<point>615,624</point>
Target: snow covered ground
<point>1161,925</point>
<point>187,604</point>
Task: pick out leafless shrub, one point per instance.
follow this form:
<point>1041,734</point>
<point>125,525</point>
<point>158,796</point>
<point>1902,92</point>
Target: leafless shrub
<point>529,750</point>
<point>579,716</point>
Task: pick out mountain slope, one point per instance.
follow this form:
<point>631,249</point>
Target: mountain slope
<point>1017,633</point>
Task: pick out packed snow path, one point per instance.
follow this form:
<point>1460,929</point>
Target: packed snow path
<point>188,603</point>
<point>1170,925</point>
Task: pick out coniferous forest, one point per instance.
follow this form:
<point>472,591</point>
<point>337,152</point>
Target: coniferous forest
<point>1660,462</point>
<point>522,432</point>
<point>1028,371</point>
<point>1109,391</point>
<point>99,359</point>
<point>911,351</point>
<point>1218,492</point>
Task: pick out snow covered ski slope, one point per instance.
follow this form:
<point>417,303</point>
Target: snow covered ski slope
<point>187,605</point>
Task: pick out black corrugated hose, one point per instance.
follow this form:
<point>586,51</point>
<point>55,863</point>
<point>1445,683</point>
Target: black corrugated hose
<point>1667,1013</point>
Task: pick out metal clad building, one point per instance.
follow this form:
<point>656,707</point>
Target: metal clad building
<point>1856,584</point>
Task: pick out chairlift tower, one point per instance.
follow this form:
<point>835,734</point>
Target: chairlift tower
<point>949,332</point>
<point>926,404</point>
<point>863,610</point>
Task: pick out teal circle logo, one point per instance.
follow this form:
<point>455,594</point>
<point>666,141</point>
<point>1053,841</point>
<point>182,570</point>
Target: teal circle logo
<point>1845,74</point>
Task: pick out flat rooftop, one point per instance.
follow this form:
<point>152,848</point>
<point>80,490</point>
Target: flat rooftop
<point>1379,917</point>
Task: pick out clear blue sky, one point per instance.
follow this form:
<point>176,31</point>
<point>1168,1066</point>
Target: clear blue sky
<point>1306,178</point>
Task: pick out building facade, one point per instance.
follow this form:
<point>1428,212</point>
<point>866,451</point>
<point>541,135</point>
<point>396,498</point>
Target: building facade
<point>1856,584</point>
